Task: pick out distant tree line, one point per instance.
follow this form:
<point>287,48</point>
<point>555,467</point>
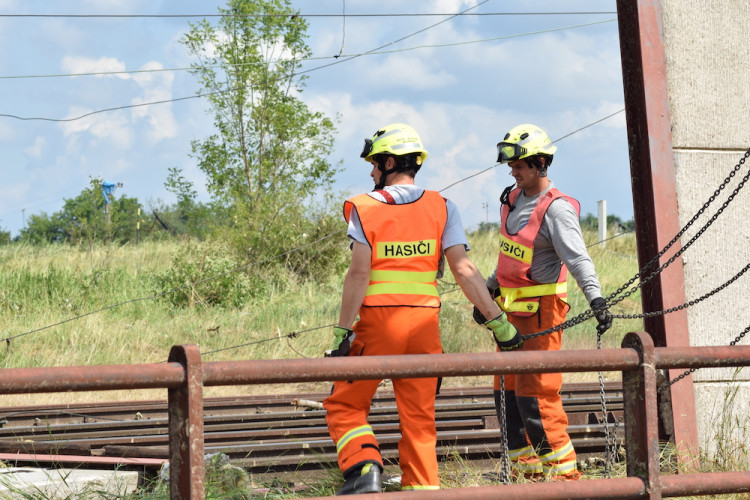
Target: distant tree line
<point>588,221</point>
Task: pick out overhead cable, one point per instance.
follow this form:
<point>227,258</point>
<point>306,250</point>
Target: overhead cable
<point>237,269</point>
<point>319,58</point>
<point>391,14</point>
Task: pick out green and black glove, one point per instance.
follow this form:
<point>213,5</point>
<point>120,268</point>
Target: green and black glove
<point>342,342</point>
<point>602,314</point>
<point>477,314</point>
<point>506,335</point>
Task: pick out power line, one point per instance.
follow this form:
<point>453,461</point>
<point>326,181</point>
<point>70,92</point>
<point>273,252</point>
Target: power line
<point>237,269</point>
<point>319,58</point>
<point>393,14</point>
<point>589,125</point>
<point>338,61</point>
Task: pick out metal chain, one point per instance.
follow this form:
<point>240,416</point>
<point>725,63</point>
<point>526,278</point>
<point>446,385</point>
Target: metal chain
<point>504,453</point>
<point>687,304</point>
<point>608,438</point>
<point>692,370</point>
<point>614,299</point>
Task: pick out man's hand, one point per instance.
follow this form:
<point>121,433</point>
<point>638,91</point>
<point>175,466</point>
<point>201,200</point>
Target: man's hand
<point>342,342</point>
<point>477,314</point>
<point>505,334</point>
<point>602,314</point>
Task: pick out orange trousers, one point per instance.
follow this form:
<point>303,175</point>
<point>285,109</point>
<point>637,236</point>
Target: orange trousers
<point>387,331</point>
<point>538,440</point>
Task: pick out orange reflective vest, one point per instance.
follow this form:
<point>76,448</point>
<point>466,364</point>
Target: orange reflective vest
<point>519,294</point>
<point>406,248</point>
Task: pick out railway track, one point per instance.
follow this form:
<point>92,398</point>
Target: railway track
<point>276,433</point>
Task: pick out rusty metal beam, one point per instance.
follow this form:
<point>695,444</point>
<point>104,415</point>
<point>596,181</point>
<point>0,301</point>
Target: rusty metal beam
<point>655,192</point>
<point>641,416</point>
<point>711,483</point>
<point>186,467</point>
<point>414,366</point>
<point>601,489</point>
<point>702,357</point>
<point>90,378</point>
<point>637,360</point>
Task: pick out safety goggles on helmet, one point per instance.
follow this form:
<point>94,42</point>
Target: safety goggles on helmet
<point>509,151</point>
<point>367,149</point>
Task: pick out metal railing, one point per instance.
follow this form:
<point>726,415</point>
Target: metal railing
<point>184,377</point>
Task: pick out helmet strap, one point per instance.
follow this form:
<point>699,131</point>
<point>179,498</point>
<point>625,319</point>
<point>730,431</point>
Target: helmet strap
<point>381,161</point>
<point>505,198</point>
<point>536,162</point>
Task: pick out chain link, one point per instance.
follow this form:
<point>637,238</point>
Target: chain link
<point>692,370</point>
<point>613,299</point>
<point>608,438</point>
<point>504,453</point>
<point>616,297</point>
<point>687,304</point>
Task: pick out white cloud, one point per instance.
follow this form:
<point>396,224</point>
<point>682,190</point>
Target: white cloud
<point>35,150</point>
<point>112,127</point>
<point>78,65</point>
<point>7,133</point>
<point>156,87</point>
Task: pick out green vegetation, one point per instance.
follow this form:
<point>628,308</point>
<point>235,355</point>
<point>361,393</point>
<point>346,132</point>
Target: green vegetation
<point>221,303</point>
<point>47,284</point>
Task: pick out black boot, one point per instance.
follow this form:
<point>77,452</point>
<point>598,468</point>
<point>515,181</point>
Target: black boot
<point>365,479</point>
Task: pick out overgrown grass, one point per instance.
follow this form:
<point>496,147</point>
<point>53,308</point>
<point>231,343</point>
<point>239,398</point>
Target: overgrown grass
<point>63,286</point>
<point>104,310</point>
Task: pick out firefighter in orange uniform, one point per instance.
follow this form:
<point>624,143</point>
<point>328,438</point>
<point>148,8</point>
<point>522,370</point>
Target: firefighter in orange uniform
<point>399,234</point>
<point>540,239</point>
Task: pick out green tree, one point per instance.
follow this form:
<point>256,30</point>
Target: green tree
<point>188,216</point>
<point>83,220</point>
<point>267,158</point>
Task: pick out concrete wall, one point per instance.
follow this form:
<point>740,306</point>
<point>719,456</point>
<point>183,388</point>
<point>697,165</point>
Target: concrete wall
<point>707,45</point>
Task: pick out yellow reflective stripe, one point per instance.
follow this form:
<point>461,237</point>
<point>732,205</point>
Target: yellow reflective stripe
<point>509,295</point>
<point>525,292</point>
<point>419,487</point>
<point>354,433</point>
<point>559,469</point>
<point>528,307</point>
<point>528,467</point>
<point>557,454</point>
<point>526,451</point>
<point>404,276</point>
<point>402,288</point>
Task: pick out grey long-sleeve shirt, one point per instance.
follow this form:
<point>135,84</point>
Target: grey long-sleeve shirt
<point>559,239</point>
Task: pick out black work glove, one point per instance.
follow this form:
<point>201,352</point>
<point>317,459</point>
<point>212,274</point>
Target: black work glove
<point>477,315</point>
<point>602,314</point>
<point>342,342</point>
<point>505,334</point>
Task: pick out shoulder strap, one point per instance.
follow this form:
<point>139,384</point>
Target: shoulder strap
<point>388,197</point>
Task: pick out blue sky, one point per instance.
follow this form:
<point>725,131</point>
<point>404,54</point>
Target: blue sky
<point>462,84</point>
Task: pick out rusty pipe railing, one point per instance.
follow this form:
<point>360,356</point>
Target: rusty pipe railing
<point>185,375</point>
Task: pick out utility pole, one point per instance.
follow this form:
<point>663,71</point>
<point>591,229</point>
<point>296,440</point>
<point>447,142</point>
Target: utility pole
<point>602,212</point>
<point>23,214</point>
<point>486,207</point>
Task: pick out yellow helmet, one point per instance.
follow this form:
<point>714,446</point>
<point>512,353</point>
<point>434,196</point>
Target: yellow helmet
<point>395,139</point>
<point>523,141</point>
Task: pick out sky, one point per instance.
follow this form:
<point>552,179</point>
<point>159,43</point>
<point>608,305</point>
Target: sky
<point>462,82</point>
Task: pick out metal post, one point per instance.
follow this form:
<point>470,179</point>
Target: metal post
<point>601,206</point>
<point>655,206</point>
<point>186,467</point>
<point>641,416</point>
